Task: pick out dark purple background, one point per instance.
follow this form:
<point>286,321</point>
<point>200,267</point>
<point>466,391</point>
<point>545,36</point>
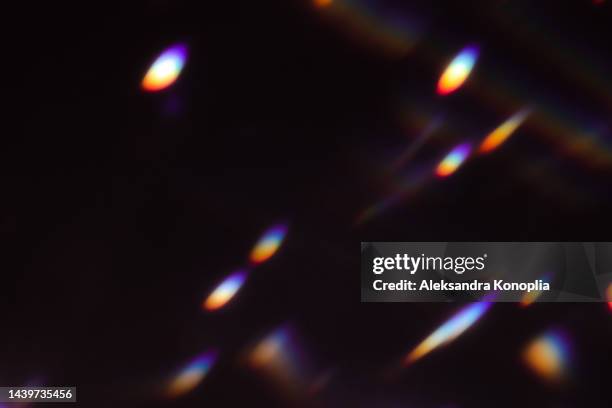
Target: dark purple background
<point>120,209</point>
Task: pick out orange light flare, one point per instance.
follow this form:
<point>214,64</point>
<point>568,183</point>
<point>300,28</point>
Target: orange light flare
<point>192,375</point>
<point>498,136</point>
<point>548,356</point>
<point>268,244</point>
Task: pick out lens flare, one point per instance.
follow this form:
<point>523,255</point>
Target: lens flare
<point>610,296</point>
<point>279,358</point>
<point>449,331</point>
<point>453,160</point>
<point>225,291</point>
<point>497,137</point>
<point>268,244</point>
<point>457,72</point>
<point>548,355</point>
<point>166,69</point>
<point>192,375</point>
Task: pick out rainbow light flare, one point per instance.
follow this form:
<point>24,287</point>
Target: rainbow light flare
<point>548,355</point>
<point>610,296</point>
<point>457,72</point>
<point>166,68</point>
<point>449,331</point>
<point>191,375</point>
<point>268,244</point>
<point>225,291</point>
<point>497,137</point>
<point>453,160</point>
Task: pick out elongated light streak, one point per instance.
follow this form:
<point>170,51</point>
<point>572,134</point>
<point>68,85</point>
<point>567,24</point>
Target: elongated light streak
<point>610,296</point>
<point>453,160</point>
<point>225,291</point>
<point>268,244</point>
<point>166,69</point>
<point>414,146</point>
<point>449,331</point>
<point>458,71</point>
<point>498,136</point>
<point>192,375</point>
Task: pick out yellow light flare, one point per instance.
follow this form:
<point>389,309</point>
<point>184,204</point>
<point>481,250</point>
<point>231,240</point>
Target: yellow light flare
<point>458,71</point>
<point>225,291</point>
<point>166,69</point>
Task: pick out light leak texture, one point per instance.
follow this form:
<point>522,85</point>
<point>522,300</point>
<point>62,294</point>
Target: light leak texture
<point>268,244</point>
<point>498,136</point>
<point>458,71</point>
<point>610,296</point>
<point>166,69</point>
<point>449,331</point>
<point>192,375</point>
<point>548,355</point>
<point>225,291</point>
<point>453,160</point>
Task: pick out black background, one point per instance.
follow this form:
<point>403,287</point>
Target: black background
<point>121,209</point>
